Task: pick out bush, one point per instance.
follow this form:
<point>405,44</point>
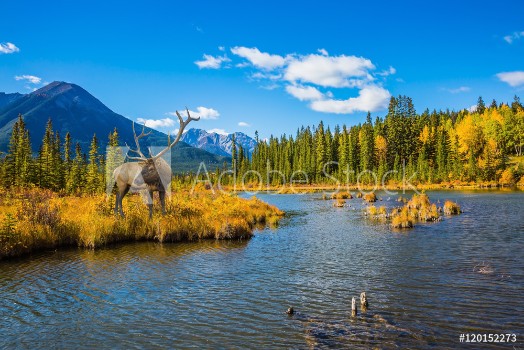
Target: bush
<point>451,208</point>
<point>507,177</point>
<point>339,203</point>
<point>341,195</point>
<point>402,219</point>
<point>370,197</point>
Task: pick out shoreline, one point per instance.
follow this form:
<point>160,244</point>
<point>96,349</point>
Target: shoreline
<point>298,189</point>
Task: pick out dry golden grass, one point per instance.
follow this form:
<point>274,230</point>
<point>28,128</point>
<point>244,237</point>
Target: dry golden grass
<point>32,220</point>
<point>417,209</point>
<point>341,195</point>
<point>370,197</point>
<point>402,219</point>
<point>451,208</point>
<point>339,203</point>
<point>372,210</point>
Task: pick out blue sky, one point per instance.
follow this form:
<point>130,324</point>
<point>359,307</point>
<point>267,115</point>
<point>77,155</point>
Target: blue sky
<point>270,66</point>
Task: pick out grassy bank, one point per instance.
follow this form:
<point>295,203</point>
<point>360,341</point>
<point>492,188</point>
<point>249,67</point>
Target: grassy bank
<point>34,219</point>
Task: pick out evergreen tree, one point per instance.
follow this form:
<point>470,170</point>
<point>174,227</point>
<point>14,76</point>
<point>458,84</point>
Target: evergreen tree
<point>480,105</point>
<point>93,178</point>
<point>77,176</point>
<point>17,165</point>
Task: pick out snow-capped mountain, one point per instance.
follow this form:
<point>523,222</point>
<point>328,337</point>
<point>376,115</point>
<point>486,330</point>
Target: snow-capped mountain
<point>216,143</point>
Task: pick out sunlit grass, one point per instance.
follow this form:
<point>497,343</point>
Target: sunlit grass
<point>32,220</point>
<point>417,209</point>
<point>341,195</point>
<point>451,208</point>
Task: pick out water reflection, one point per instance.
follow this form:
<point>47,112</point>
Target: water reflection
<point>425,286</point>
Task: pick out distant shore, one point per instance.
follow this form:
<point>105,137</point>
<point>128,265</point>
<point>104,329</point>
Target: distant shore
<point>311,188</point>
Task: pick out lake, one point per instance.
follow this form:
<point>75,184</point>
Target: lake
<point>425,286</point>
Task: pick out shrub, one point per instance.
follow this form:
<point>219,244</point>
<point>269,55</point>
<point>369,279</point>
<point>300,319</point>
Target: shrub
<point>341,195</point>
<point>372,210</point>
<point>339,203</point>
<point>370,197</point>
<point>402,219</point>
<point>507,177</point>
<point>451,208</point>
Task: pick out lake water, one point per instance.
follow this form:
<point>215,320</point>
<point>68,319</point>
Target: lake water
<point>425,286</point>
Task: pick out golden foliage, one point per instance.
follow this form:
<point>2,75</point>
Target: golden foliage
<point>451,208</point>
<point>370,197</point>
<point>507,177</point>
<point>381,146</point>
<point>341,195</point>
<point>44,220</point>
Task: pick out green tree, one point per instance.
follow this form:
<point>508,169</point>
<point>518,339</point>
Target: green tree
<point>93,176</point>
<point>480,105</point>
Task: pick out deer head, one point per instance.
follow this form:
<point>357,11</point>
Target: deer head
<point>141,157</point>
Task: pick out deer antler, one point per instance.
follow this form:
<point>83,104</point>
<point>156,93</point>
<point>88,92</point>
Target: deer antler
<point>137,150</point>
<point>183,124</point>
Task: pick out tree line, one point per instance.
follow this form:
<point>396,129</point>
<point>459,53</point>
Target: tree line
<point>58,166</point>
<point>435,146</point>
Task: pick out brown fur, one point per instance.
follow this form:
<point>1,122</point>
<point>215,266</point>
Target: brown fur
<point>151,175</point>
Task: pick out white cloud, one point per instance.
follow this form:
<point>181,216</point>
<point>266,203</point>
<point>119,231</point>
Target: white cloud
<point>514,36</point>
<point>332,71</point>
<point>270,87</point>
<point>472,109</point>
<point>206,113</point>
<point>459,89</point>
<point>212,62</point>
<point>29,78</point>
<point>8,48</point>
<point>371,98</point>
<point>202,112</point>
<point>156,123</point>
<point>218,131</point>
<point>244,124</point>
<point>306,76</point>
<point>514,79</point>
<point>389,71</point>
<point>264,75</point>
<point>304,93</point>
<point>259,59</point>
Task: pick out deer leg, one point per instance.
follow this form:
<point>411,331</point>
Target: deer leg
<point>120,196</point>
<point>117,202</point>
<point>162,196</point>
<point>150,204</point>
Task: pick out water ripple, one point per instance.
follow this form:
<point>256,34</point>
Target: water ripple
<point>425,285</point>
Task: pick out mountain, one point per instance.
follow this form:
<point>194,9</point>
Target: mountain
<point>72,109</point>
<point>6,99</point>
<point>218,144</point>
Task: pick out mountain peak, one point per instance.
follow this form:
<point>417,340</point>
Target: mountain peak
<point>218,143</point>
<point>56,88</point>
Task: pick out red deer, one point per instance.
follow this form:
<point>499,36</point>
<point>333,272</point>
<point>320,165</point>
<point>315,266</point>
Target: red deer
<point>149,173</point>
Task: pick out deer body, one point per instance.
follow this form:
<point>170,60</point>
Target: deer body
<point>150,173</point>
